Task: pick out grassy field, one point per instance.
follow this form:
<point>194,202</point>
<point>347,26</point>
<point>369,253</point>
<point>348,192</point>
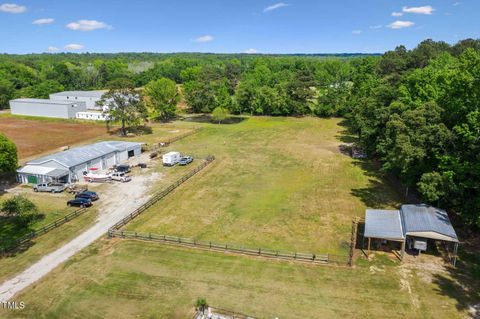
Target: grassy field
<point>128,279</point>
<point>53,206</point>
<point>277,183</point>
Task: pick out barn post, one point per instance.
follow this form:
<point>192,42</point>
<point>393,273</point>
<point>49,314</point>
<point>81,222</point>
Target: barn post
<point>402,252</point>
<point>368,252</point>
<point>455,250</point>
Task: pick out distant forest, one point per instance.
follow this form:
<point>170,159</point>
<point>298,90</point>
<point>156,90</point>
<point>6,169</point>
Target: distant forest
<point>416,111</point>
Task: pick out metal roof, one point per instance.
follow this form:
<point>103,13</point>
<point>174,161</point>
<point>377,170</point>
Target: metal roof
<point>97,94</point>
<point>45,101</point>
<point>83,154</point>
<point>383,224</point>
<point>425,218</point>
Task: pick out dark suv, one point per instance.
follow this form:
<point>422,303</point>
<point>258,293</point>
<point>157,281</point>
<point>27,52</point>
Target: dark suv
<point>80,202</point>
<point>123,168</point>
<point>88,195</point>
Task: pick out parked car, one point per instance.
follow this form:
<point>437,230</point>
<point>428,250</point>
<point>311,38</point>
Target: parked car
<point>122,168</point>
<point>120,177</point>
<point>88,195</point>
<point>171,158</point>
<point>185,160</point>
<point>80,202</point>
<point>49,187</point>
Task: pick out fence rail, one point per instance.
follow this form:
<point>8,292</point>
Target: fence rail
<point>41,231</point>
<point>168,141</point>
<point>232,248</point>
<point>162,194</point>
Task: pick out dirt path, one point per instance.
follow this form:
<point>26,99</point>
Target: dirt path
<point>118,201</point>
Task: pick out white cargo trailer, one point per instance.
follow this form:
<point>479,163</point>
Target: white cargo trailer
<point>171,158</point>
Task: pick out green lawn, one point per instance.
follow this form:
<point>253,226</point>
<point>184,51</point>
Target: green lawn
<point>53,206</point>
<point>278,183</point>
<point>128,279</point>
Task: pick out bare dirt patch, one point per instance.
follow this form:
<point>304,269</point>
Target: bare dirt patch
<point>34,137</point>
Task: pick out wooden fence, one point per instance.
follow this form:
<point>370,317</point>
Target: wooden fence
<point>232,248</point>
<point>157,146</point>
<point>41,231</point>
<point>161,194</point>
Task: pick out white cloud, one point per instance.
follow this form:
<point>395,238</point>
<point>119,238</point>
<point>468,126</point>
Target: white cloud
<point>400,24</point>
<point>87,25</point>
<point>356,31</point>
<point>374,27</point>
<point>397,14</point>
<point>419,10</point>
<point>275,6</point>
<point>52,49</point>
<point>12,8</point>
<point>251,51</point>
<point>204,38</point>
<point>43,21</point>
<point>74,46</point>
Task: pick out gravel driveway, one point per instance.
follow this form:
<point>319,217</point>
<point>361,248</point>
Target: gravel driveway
<point>119,200</point>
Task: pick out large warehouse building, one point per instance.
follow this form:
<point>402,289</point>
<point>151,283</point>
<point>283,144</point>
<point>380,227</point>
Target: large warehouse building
<point>89,97</point>
<point>47,108</point>
<point>69,166</point>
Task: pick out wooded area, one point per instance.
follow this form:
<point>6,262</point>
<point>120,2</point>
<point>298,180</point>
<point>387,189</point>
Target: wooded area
<point>417,111</point>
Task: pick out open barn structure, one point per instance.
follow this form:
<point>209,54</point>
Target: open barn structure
<point>411,227</point>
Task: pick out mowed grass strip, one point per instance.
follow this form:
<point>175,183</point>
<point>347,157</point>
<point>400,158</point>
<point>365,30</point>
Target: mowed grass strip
<point>278,183</point>
<point>130,279</point>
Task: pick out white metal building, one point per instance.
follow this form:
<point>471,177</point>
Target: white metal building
<point>94,116</point>
<point>89,97</point>
<point>47,108</point>
<point>69,166</point>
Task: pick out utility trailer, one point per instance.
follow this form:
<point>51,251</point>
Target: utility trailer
<point>171,158</point>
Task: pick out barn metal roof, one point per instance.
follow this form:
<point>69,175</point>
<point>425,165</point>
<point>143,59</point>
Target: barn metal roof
<point>383,224</point>
<point>425,218</point>
<point>83,154</point>
<point>45,101</point>
<point>97,94</point>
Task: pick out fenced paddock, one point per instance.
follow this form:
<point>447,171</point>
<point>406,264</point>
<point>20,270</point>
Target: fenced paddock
<point>115,231</point>
<point>162,194</point>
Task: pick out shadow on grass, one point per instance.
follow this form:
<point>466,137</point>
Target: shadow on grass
<point>10,231</point>
<point>380,193</point>
<point>207,118</point>
<point>463,282</point>
<point>7,181</point>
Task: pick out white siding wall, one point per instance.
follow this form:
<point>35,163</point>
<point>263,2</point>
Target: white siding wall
<point>46,109</point>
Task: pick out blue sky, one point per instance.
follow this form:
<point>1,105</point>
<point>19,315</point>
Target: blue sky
<point>226,26</point>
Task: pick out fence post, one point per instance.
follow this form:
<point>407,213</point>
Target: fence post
<point>353,241</point>
<point>210,245</point>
